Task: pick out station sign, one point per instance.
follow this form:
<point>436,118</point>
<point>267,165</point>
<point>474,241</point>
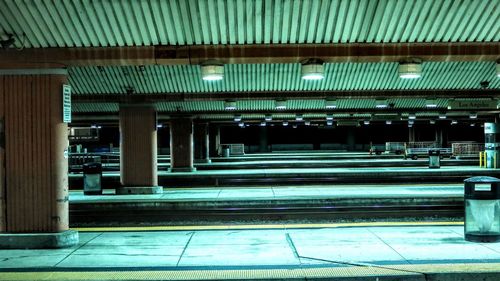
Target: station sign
<point>66,103</point>
<point>472,104</point>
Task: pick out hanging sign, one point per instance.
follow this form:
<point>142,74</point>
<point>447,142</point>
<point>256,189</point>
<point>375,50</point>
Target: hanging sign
<point>66,103</point>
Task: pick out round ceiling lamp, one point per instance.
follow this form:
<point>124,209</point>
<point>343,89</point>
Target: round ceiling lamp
<point>212,72</point>
<point>313,69</point>
<point>410,70</point>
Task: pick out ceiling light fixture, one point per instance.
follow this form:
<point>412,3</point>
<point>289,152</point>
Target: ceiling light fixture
<point>473,115</point>
<point>453,122</point>
<point>431,103</point>
<point>329,122</point>
<point>330,104</point>
<point>412,116</point>
<point>411,122</point>
<point>280,104</point>
<point>262,124</point>
<point>442,116</point>
<point>268,117</point>
<point>381,103</point>
<point>432,122</point>
<point>241,124</point>
<point>307,123</point>
<point>285,123</point>
<point>388,122</point>
<point>229,105</point>
<point>473,124</point>
<point>312,69</point>
<point>329,116</point>
<point>366,122</point>
<point>299,117</point>
<point>410,70</point>
<point>212,72</point>
<point>237,118</point>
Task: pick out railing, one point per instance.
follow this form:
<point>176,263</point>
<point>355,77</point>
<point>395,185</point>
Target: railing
<point>463,149</point>
<point>395,147</point>
<point>234,148</point>
<point>422,144</point>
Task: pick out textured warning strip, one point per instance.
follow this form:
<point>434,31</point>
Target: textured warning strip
<point>261,226</point>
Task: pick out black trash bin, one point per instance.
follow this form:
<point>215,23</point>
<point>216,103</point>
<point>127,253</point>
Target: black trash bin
<point>482,209</point>
<point>92,178</point>
<point>434,159</point>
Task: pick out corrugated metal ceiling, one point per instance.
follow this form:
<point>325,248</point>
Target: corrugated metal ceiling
<point>279,77</point>
<point>260,105</point>
<point>76,23</point>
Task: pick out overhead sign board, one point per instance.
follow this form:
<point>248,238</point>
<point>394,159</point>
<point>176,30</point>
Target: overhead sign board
<point>66,103</point>
<point>472,104</point>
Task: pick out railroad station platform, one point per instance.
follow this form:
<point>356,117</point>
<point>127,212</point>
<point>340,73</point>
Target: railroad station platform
<point>287,176</point>
<point>369,251</point>
<point>269,203</point>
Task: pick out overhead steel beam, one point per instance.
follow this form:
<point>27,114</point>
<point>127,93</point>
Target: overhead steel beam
<point>247,54</point>
<point>179,97</point>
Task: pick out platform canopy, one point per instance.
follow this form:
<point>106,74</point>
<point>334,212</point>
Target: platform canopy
<point>152,51</point>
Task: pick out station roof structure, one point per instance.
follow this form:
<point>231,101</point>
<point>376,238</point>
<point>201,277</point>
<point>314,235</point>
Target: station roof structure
<point>151,51</point>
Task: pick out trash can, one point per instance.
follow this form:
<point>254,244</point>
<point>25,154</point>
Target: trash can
<point>226,151</point>
<point>482,209</point>
<point>434,159</point>
<point>92,178</point>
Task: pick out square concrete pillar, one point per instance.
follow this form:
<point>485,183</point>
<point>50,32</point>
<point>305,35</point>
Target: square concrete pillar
<point>201,143</point>
<point>33,160</point>
<point>138,150</point>
<point>181,144</point>
<point>214,140</point>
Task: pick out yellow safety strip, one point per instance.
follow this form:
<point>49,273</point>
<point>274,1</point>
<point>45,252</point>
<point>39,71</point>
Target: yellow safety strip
<point>248,274</point>
<point>261,226</point>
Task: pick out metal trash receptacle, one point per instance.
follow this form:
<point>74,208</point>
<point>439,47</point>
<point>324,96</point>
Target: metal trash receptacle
<point>92,178</point>
<point>226,152</point>
<point>434,159</point>
<point>482,209</point>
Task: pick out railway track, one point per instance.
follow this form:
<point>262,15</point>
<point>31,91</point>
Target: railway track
<point>128,215</point>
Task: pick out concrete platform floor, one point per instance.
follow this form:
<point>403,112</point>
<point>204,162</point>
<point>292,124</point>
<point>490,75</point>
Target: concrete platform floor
<point>281,192</point>
<point>405,253</point>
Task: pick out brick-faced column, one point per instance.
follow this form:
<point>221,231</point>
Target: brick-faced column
<point>181,144</point>
<point>201,143</point>
<point>138,150</point>
<point>33,160</point>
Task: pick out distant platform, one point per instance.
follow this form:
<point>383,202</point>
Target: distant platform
<point>290,176</point>
<point>418,252</point>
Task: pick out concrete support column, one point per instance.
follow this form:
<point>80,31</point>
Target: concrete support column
<point>411,134</point>
<point>263,139</point>
<point>214,140</point>
<point>351,140</point>
<point>33,160</point>
<point>201,143</point>
<point>138,150</point>
<point>439,137</point>
<point>181,144</point>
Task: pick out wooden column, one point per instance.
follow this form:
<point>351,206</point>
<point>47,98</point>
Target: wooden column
<point>181,144</point>
<point>33,167</point>
<point>138,149</point>
<point>2,161</point>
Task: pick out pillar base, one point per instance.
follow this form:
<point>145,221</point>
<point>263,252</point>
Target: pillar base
<point>182,169</point>
<point>56,240</point>
<point>202,161</point>
<point>124,190</point>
